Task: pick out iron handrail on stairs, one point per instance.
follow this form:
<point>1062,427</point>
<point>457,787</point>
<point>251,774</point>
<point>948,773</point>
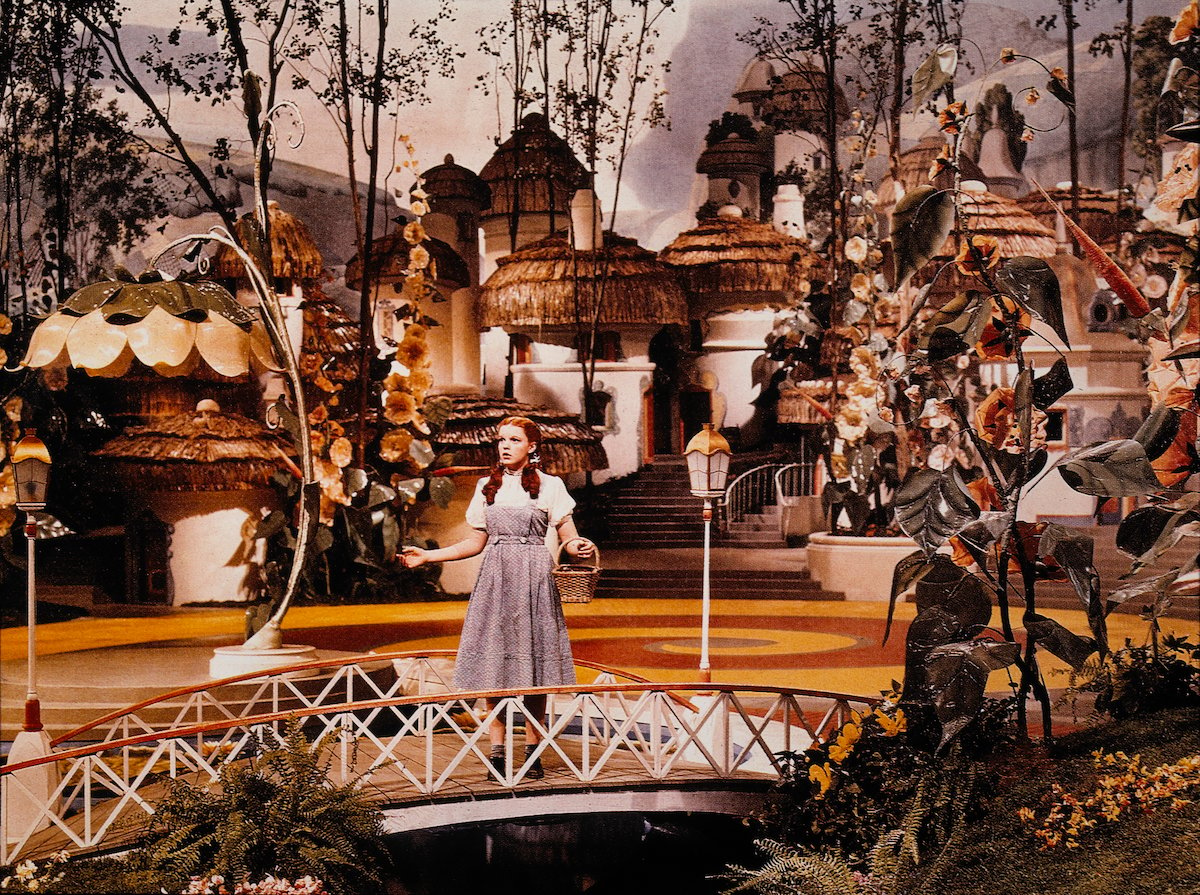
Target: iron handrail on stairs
<point>748,493</point>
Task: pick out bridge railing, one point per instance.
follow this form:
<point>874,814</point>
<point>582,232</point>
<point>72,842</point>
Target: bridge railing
<point>430,745</point>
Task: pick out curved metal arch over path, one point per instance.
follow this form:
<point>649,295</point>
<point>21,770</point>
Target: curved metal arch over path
<point>390,723</point>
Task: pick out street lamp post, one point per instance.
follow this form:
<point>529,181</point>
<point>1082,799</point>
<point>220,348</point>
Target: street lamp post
<point>708,466</point>
<point>31,472</point>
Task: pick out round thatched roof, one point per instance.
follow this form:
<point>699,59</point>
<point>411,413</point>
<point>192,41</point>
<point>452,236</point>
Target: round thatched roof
<point>294,253</point>
<point>535,286</point>
<point>533,170</point>
<point>204,450</point>
<point>452,183</point>
<point>389,260</point>
<point>733,155</point>
<point>1017,231</point>
<point>915,164</point>
<point>472,429</point>
<point>729,254</point>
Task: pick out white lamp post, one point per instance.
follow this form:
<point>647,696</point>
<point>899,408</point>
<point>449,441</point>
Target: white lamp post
<point>708,466</point>
<point>31,471</point>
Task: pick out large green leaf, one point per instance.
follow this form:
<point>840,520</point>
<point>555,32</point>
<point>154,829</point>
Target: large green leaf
<point>441,490</point>
<point>951,588</point>
<point>932,506</point>
<point>958,675</point>
<point>1110,469</point>
<point>1023,404</point>
<point>91,297</point>
<point>1073,551</point>
<point>921,223</point>
<point>978,536</point>
<point>906,573</point>
<point>934,73</point>
<point>1158,432</point>
<point>1055,384</point>
<point>1059,640</point>
<point>1034,284</point>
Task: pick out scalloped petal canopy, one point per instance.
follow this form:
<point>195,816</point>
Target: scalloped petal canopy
<point>161,340</point>
<point>223,345</point>
<point>47,346</point>
<point>93,344</point>
<point>262,354</point>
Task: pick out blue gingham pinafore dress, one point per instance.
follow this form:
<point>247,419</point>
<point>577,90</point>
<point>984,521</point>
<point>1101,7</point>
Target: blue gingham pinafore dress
<point>514,634</point>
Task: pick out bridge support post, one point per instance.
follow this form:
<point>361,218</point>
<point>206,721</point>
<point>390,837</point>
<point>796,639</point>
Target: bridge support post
<point>28,793</point>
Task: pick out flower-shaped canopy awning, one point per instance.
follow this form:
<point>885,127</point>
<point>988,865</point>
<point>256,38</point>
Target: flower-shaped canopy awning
<point>169,325</point>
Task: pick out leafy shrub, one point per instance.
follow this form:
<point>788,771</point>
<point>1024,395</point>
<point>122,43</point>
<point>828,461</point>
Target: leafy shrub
<point>279,814</point>
<point>1138,679</point>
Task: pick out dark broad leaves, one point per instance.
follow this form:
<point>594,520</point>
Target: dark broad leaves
<point>1061,92</point>
<point>437,410</point>
<point>921,222</point>
<point>1185,352</point>
<point>380,495</point>
<point>957,678</point>
<point>1110,469</point>
<point>354,480</point>
<point>1156,585</point>
<point>1034,284</point>
<point>421,452</point>
<point>934,73</point>
<point>1053,385</point>
<point>932,506</point>
<point>978,536</point>
<point>410,488</point>
<point>1158,432</point>
<point>441,491</point>
<point>288,419</point>
<point>1139,531</point>
<point>87,299</point>
<point>389,531</point>
<point>1060,641</point>
<point>271,525</point>
<point>908,572</point>
<point>322,541</point>
<point>1073,551</point>
<point>950,588</point>
<point>1010,469</point>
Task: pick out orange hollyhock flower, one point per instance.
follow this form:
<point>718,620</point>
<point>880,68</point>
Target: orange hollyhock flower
<point>1185,24</point>
<point>944,163</point>
<point>1173,466</point>
<point>1059,75</point>
<point>977,254</point>
<point>1007,55</point>
<point>950,118</point>
<point>1029,535</point>
<point>1032,95</point>
<point>1000,337</point>
<point>998,423</point>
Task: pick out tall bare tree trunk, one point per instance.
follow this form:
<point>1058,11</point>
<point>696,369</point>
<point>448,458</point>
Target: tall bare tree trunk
<point>1072,135</point>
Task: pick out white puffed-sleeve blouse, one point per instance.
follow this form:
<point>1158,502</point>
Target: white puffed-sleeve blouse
<point>553,497</point>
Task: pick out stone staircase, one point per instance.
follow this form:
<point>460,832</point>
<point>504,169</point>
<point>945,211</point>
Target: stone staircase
<point>756,529</point>
<point>724,584</point>
<point>654,508</point>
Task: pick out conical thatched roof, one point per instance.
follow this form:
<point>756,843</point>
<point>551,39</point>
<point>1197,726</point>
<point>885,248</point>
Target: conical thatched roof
<point>294,252</point>
<point>389,260</point>
<point>471,432</point>
<point>915,164</point>
<point>733,155</point>
<point>205,450</point>
<point>533,170</point>
<point>729,254</point>
<point>1017,231</point>
<point>535,286</point>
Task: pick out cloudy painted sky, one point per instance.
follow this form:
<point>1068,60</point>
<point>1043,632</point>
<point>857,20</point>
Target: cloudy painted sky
<point>700,38</point>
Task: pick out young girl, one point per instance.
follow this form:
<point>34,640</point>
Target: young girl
<point>514,635</point>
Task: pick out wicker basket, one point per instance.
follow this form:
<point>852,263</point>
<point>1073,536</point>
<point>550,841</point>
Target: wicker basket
<point>576,582</point>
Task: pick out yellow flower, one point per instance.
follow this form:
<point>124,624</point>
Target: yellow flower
<point>1032,96</point>
<point>892,726</point>
<point>393,448</point>
<point>1007,55</point>
<point>318,415</point>
<point>419,208</point>
<point>341,453</point>
<point>419,383</point>
<point>856,249</point>
<point>414,233</point>
<point>412,351</point>
<point>399,408</point>
<point>823,777</point>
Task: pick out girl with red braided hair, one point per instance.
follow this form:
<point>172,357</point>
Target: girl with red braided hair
<point>514,635</point>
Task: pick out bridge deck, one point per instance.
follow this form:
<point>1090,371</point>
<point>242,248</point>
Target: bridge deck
<point>472,781</point>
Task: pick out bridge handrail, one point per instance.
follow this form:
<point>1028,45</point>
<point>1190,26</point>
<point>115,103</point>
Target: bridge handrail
<point>669,688</point>
<point>285,671</point>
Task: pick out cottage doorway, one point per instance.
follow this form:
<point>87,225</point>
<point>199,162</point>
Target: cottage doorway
<point>661,399</point>
<point>695,409</point>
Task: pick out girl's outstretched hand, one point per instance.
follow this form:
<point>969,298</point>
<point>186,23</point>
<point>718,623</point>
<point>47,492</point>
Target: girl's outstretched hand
<point>411,557</point>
